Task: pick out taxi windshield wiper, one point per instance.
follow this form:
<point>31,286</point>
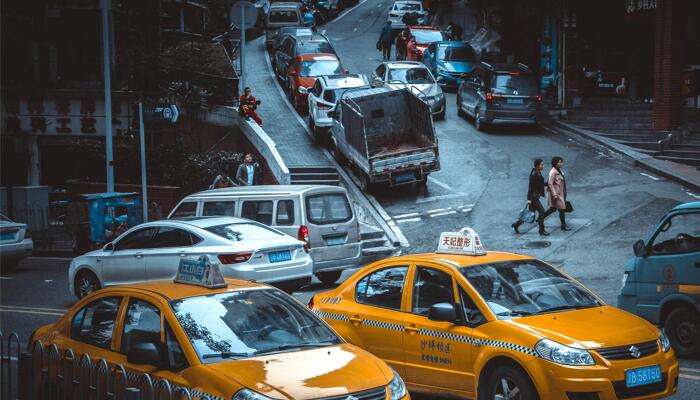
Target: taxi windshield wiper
<point>514,312</point>
<point>288,346</point>
<point>566,307</point>
<point>228,354</point>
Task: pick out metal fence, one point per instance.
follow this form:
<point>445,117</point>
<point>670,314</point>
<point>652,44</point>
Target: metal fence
<point>47,373</point>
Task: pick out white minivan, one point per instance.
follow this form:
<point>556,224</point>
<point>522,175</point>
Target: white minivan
<point>319,215</point>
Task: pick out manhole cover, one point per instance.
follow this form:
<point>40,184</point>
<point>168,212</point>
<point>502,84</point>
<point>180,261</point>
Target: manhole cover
<point>536,244</point>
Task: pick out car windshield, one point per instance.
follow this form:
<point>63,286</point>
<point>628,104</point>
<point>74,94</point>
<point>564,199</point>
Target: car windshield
<point>247,323</point>
<point>277,16</point>
<point>411,75</point>
<point>4,218</point>
<point>519,84</point>
<point>408,6</point>
<point>526,287</point>
<point>456,53</point>
<point>316,47</point>
<point>320,68</point>
<point>239,232</point>
<point>426,36</point>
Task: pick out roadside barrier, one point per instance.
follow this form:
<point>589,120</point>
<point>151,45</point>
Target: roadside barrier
<point>48,373</point>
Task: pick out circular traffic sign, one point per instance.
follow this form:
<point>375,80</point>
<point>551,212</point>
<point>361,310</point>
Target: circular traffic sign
<point>243,15</point>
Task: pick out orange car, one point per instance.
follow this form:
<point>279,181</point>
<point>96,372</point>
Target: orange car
<point>303,72</point>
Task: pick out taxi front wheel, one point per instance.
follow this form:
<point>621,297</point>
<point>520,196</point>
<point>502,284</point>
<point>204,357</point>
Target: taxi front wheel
<point>683,329</point>
<point>508,383</point>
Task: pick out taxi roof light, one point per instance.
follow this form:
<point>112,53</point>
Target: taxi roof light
<point>464,242</point>
<point>200,272</point>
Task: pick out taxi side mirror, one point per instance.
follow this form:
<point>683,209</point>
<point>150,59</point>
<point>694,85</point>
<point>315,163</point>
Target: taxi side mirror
<point>108,247</point>
<point>143,353</point>
<point>443,312</point>
<point>640,249</point>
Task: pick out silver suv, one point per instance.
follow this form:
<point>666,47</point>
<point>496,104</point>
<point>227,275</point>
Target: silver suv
<point>417,78</point>
<point>323,96</point>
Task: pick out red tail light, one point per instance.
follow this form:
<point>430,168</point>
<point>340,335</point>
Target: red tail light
<point>311,302</point>
<point>303,235</point>
<point>489,96</point>
<point>27,234</point>
<point>539,99</point>
<point>234,258</point>
<point>323,106</point>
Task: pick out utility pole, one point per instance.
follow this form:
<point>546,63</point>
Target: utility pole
<point>106,67</point>
<point>243,27</point>
<point>144,181</point>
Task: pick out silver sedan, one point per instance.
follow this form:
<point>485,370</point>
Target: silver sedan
<point>15,242</point>
<point>244,249</point>
<point>417,78</point>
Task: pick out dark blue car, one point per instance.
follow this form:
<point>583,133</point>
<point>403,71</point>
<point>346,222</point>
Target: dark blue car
<point>449,61</point>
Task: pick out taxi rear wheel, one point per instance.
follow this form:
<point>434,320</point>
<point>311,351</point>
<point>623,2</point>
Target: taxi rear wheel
<point>86,283</point>
<point>508,383</point>
<point>683,329</point>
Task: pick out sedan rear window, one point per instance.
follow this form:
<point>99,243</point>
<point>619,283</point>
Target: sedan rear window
<point>316,47</point>
<point>320,68</point>
<point>456,53</point>
<point>515,84</point>
<point>411,75</point>
<point>328,208</point>
<point>277,16</point>
<point>244,231</point>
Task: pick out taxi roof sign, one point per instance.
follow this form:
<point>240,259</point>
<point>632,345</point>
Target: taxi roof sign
<point>200,272</point>
<point>464,242</point>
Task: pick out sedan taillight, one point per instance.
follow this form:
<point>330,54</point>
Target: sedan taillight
<point>234,258</point>
<point>303,235</point>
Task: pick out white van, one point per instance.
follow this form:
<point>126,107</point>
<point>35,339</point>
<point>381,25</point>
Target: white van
<point>319,215</point>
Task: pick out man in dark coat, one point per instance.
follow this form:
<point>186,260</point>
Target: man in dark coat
<point>248,173</point>
<point>535,190</point>
<point>386,39</point>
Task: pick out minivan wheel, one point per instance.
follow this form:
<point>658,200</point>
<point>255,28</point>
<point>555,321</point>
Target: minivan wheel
<point>508,383</point>
<point>85,283</point>
<point>328,277</point>
<point>683,329</point>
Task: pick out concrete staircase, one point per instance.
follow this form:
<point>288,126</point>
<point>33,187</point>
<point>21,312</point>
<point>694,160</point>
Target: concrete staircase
<point>375,245</point>
<point>631,124</point>
<point>314,176</point>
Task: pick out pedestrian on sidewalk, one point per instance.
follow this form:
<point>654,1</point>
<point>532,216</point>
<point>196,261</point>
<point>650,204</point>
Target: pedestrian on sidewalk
<point>454,31</point>
<point>247,104</point>
<point>535,190</point>
<point>223,180</point>
<point>248,173</point>
<point>412,52</point>
<point>401,42</point>
<point>557,191</point>
<point>386,39</point>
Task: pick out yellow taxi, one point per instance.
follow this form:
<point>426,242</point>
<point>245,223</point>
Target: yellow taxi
<point>222,338</point>
<point>463,322</point>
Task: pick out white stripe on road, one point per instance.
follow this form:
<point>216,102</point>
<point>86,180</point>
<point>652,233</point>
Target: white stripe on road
<point>400,221</point>
<point>649,176</point>
<point>684,369</point>
<point>27,310</point>
<point>437,210</point>
<point>443,213</point>
<point>406,215</point>
<point>49,258</point>
<point>691,194</point>
<point>693,377</point>
<point>6,277</point>
<point>346,12</point>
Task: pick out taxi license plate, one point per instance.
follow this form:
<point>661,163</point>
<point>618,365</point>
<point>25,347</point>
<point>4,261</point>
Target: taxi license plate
<point>335,241</point>
<point>278,256</point>
<point>515,101</point>
<point>7,236</point>
<point>643,376</point>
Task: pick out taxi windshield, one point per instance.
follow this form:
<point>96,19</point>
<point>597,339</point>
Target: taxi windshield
<point>526,287</point>
<point>247,323</point>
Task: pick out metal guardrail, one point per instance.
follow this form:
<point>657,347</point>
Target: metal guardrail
<point>47,373</point>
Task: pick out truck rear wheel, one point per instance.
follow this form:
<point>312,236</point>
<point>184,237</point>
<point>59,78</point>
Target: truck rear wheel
<point>683,329</point>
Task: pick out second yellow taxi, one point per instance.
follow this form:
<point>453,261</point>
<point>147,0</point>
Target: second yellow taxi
<point>465,322</point>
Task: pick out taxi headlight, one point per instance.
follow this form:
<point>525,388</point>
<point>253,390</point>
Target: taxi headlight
<point>247,394</point>
<point>561,354</point>
<point>665,343</point>
<point>397,389</point>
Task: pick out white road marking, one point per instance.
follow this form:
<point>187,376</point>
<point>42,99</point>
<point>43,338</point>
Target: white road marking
<point>443,213</point>
<point>35,308</point>
<point>422,200</point>
<point>346,12</point>
<point>6,277</point>
<point>465,210</point>
<point>48,280</point>
<point>437,210</point>
<point>29,310</point>
<point>693,377</point>
<point>354,29</point>
<point>323,32</point>
<point>691,194</point>
<point>400,221</point>
<point>49,258</point>
<point>405,215</point>
<point>649,176</point>
<point>684,369</point>
<point>442,184</point>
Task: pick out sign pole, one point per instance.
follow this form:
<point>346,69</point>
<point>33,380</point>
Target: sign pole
<point>144,181</point>
<point>242,49</point>
<point>106,66</point>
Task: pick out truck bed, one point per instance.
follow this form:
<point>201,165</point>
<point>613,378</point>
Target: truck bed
<point>389,150</point>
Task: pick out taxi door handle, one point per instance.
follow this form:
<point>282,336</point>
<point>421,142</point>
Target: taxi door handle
<point>182,254</point>
<point>411,329</point>
<point>138,255</point>
<point>355,320</point>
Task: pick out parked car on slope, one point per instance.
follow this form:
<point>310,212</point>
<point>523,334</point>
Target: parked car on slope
<point>15,242</point>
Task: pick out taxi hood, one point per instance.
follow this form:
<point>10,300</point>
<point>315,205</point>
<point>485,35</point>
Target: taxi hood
<point>591,328</point>
<point>314,373</point>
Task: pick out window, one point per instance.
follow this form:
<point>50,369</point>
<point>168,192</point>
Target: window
<point>168,236</point>
<point>141,325</point>
<point>224,208</point>
<point>94,323</point>
<point>317,89</point>
<point>381,69</point>
<point>472,313</point>
<point>679,234</point>
<point>186,209</point>
<point>277,16</point>
<point>176,357</point>
<point>138,239</point>
<point>427,36</point>
<point>320,68</point>
<point>287,46</point>
<point>244,231</point>
<point>382,288</point>
<point>431,286</point>
<point>285,212</point>
<point>328,208</point>
<point>515,83</point>
<point>316,47</point>
<point>246,323</point>
<point>456,53</point>
<point>418,75</point>
<point>260,211</point>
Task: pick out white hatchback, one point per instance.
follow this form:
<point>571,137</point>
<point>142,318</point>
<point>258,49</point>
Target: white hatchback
<point>152,251</point>
<point>324,95</point>
<point>403,7</point>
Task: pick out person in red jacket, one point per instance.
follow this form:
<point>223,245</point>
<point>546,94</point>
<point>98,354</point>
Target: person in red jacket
<point>248,105</point>
<point>412,52</point>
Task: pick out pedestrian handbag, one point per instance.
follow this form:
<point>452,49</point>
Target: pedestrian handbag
<point>379,45</point>
<point>569,207</point>
<point>526,215</point>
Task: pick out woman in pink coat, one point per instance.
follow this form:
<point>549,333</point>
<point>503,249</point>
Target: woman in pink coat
<point>412,52</point>
<point>556,186</point>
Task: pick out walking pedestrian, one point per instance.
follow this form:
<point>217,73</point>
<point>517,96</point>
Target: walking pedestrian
<point>386,39</point>
<point>247,106</point>
<point>454,31</point>
<point>557,191</point>
<point>535,190</point>
<point>412,52</point>
<point>401,42</point>
<point>223,180</point>
<point>248,173</point>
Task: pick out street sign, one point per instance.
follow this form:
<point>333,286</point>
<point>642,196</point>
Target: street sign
<point>243,14</point>
<point>168,113</point>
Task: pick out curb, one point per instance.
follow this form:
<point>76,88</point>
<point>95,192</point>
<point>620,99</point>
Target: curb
<point>624,153</point>
<point>40,253</point>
